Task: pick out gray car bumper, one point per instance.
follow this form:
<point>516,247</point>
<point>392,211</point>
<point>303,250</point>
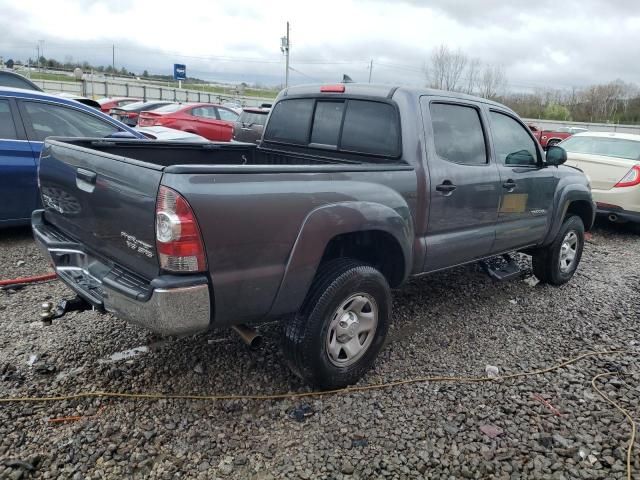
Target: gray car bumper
<point>167,305</point>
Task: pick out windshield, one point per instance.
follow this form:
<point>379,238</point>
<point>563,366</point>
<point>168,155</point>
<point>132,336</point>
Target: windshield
<point>606,146</point>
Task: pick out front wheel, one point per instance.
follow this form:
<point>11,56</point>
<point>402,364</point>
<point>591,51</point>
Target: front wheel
<point>342,325</point>
<point>556,263</point>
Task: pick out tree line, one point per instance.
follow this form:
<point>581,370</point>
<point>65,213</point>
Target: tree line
<point>613,102</point>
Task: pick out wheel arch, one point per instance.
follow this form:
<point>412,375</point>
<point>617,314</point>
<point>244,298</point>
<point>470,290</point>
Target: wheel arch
<point>370,232</point>
<point>573,198</point>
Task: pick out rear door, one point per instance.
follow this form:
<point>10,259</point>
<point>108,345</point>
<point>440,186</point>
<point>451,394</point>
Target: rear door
<point>463,184</point>
<point>226,120</point>
<point>205,119</point>
<point>527,188</point>
<point>18,182</point>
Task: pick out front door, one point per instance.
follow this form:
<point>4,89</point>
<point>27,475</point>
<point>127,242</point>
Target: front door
<point>527,188</point>
<point>463,185</point>
<point>18,182</point>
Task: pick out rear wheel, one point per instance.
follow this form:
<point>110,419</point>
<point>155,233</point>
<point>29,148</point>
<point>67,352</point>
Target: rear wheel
<point>556,263</point>
<point>341,327</point>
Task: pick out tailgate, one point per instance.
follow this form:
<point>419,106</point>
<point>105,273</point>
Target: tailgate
<point>103,201</point>
<point>603,172</point>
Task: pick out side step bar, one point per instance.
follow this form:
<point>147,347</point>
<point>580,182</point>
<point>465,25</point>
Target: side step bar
<point>502,268</point>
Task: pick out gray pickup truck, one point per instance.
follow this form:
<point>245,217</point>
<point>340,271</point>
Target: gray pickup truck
<point>353,189</point>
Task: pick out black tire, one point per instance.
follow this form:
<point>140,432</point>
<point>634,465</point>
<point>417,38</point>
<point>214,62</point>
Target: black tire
<point>305,338</point>
<point>546,261</point>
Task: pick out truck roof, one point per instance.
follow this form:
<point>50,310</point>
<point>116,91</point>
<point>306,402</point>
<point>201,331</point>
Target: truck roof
<point>385,91</point>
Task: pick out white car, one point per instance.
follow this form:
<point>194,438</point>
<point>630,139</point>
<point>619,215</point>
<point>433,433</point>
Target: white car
<point>170,134</point>
<point>612,163</point>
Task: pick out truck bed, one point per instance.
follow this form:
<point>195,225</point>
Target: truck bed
<point>165,154</point>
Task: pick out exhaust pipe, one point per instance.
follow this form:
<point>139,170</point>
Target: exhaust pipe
<point>248,335</point>
<point>613,217</point>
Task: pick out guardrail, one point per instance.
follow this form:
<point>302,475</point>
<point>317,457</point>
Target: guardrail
<point>592,126</point>
<point>109,88</point>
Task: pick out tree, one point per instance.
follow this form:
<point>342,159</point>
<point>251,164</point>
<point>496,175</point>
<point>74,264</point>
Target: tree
<point>556,112</point>
<point>446,68</point>
<point>145,73</point>
<point>492,81</point>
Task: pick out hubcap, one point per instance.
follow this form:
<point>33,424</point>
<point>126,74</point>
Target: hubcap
<point>352,329</point>
<point>568,251</point>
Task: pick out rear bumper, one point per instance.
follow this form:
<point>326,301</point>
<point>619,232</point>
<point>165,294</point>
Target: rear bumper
<point>618,213</point>
<point>166,305</point>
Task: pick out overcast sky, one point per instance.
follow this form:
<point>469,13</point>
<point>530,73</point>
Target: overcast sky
<point>539,43</point>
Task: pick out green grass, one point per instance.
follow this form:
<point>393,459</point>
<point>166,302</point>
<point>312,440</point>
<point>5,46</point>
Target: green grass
<point>61,77</point>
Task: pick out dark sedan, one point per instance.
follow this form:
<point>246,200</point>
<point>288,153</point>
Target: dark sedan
<point>250,124</point>
<point>129,113</point>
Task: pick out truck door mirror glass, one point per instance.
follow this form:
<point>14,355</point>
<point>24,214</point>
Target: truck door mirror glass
<point>556,155</point>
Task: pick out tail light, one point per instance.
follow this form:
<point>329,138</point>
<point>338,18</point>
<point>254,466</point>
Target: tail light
<point>631,179</point>
<point>178,238</point>
<point>132,115</point>
<point>332,88</point>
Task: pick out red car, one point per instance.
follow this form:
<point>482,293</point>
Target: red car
<point>548,138</point>
<point>213,122</point>
<point>108,103</point>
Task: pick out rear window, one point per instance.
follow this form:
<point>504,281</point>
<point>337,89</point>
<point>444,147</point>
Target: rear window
<point>326,123</point>
<point>371,127</point>
<point>352,126</point>
<point>608,147</point>
<point>253,118</point>
<point>290,121</point>
<point>172,107</point>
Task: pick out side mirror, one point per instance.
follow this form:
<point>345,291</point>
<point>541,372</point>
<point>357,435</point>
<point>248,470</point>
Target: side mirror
<point>556,156</point>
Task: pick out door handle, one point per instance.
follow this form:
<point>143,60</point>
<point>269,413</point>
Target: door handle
<point>446,187</point>
<point>87,176</point>
<point>509,184</point>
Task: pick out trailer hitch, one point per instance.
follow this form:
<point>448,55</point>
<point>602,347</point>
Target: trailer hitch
<point>76,304</point>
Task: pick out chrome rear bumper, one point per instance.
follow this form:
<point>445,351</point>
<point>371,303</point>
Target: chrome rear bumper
<point>167,305</point>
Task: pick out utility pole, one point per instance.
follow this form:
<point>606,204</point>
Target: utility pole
<point>38,56</point>
<point>284,48</point>
<point>370,69</point>
<point>41,52</point>
<point>113,57</point>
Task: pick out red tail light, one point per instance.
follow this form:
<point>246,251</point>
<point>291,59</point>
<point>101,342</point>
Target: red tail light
<point>631,179</point>
<point>178,238</point>
<point>132,115</point>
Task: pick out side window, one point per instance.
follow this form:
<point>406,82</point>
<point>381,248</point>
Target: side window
<point>512,143</point>
<point>227,115</point>
<point>326,123</point>
<point>204,112</point>
<point>48,120</point>
<point>458,134</point>
<point>290,121</point>
<point>7,127</point>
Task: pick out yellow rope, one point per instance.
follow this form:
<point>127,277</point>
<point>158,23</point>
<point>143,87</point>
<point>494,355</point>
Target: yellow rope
<point>363,388</point>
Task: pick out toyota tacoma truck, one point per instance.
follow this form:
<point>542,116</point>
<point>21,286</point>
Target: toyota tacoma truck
<point>352,190</point>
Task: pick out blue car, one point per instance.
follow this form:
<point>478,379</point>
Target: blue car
<point>27,117</point>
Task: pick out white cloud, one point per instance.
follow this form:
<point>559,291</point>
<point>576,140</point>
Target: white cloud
<point>538,43</point>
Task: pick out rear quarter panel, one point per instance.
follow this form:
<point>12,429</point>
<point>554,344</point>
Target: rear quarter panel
<point>250,223</point>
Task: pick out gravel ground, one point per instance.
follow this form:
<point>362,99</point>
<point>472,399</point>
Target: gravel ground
<point>551,426</point>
